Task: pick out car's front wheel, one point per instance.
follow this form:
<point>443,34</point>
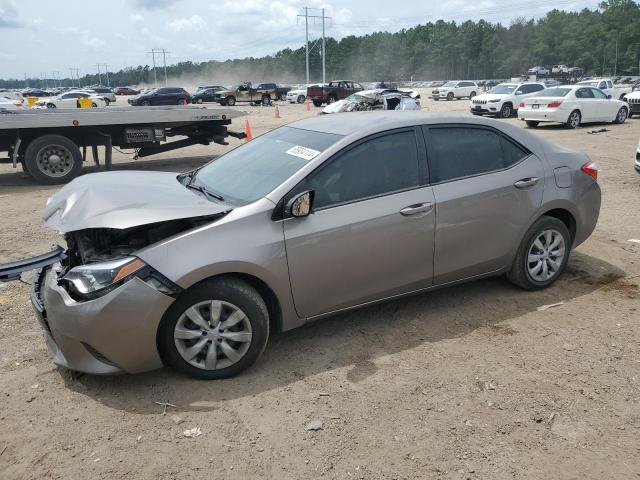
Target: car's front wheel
<point>542,255</point>
<point>506,111</point>
<point>214,330</point>
<point>622,115</point>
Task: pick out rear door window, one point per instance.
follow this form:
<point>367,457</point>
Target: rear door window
<point>459,151</point>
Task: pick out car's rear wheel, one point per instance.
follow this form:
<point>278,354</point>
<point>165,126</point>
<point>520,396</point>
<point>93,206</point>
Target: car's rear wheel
<point>317,103</point>
<point>574,120</point>
<point>542,255</point>
<point>331,99</point>
<point>214,330</point>
<point>53,159</point>
<point>622,115</point>
<point>473,94</point>
<point>506,111</point>
<point>182,101</point>
<point>532,123</point>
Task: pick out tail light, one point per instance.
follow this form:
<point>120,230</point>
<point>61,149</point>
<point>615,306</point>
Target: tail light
<point>554,104</point>
<point>591,169</point>
<point>521,105</point>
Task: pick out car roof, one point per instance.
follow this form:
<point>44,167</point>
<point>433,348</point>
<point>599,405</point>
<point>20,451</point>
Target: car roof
<point>356,122</point>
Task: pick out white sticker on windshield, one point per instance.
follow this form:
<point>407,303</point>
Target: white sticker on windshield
<point>303,152</point>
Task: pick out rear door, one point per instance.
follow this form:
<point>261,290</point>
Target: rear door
<point>370,235</point>
<point>486,188</point>
<point>587,104</point>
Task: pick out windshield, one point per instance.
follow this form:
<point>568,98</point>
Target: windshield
<point>251,171</point>
<point>553,92</point>
<point>591,84</point>
<point>503,89</point>
<point>450,84</point>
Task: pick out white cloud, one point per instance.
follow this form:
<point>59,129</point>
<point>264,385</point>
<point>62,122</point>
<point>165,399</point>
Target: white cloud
<point>9,15</point>
<point>193,23</point>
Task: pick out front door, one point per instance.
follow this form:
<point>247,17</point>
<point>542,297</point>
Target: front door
<point>487,190</point>
<point>371,233</point>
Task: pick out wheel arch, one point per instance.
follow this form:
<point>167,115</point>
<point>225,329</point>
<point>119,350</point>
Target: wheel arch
<point>274,306</point>
<point>565,216</point>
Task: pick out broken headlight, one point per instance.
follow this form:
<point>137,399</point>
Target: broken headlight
<point>96,279</point>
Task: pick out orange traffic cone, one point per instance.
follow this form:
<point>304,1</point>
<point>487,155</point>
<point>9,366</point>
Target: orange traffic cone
<point>308,105</point>
<point>277,112</point>
<point>247,131</point>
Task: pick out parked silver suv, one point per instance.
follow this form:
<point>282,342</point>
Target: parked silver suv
<point>323,215</point>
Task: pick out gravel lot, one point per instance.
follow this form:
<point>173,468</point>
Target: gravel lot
<point>468,382</point>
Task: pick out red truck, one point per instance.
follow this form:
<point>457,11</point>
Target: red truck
<point>336,90</point>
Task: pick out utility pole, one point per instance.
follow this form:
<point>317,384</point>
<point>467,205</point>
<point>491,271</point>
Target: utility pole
<point>99,76</point>
<point>153,59</point>
<point>71,75</point>
<point>615,65</point>
<point>26,81</point>
<point>164,59</point>
<point>309,50</point>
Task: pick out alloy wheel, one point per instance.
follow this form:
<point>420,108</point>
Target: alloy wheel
<point>622,115</point>
<point>546,255</point>
<point>212,335</point>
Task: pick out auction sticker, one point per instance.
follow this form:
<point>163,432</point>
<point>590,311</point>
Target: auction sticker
<point>303,152</point>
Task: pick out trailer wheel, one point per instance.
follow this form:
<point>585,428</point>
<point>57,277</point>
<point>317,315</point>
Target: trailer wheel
<point>53,159</point>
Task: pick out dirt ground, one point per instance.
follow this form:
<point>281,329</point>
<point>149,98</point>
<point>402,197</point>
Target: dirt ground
<point>468,382</point>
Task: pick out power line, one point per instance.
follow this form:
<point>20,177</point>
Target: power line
<point>306,44</point>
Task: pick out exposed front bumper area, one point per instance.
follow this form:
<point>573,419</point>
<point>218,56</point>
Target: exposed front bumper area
<point>111,334</point>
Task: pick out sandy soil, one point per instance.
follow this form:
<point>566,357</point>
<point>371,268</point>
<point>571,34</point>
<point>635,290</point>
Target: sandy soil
<point>468,382</point>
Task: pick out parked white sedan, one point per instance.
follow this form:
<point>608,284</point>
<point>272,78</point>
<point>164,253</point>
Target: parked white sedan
<point>572,105</point>
<point>70,100</point>
<point>9,104</point>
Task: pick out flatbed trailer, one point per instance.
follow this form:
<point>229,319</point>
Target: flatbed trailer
<point>51,144</point>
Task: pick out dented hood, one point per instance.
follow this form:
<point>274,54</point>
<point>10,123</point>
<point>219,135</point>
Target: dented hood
<point>123,200</point>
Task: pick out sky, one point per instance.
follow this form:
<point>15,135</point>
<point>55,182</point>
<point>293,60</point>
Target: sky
<point>39,37</point>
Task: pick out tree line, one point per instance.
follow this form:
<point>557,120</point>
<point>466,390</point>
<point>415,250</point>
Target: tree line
<point>603,41</point>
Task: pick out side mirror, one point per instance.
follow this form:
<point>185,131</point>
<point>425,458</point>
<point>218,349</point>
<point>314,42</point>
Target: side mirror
<point>519,92</point>
<point>301,204</point>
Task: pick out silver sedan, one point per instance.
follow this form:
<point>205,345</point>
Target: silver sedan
<point>313,218</point>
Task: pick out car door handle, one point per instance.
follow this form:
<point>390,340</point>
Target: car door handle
<point>526,182</point>
<point>415,209</point>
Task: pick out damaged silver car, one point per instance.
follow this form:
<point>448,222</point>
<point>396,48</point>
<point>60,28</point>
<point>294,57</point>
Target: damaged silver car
<point>378,99</point>
<point>323,215</point>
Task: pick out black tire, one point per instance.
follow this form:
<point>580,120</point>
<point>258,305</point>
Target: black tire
<point>106,102</point>
<point>450,96</point>
<point>223,103</point>
<point>622,115</point>
<point>532,123</point>
<point>301,99</point>
<point>94,105</point>
<point>199,101</point>
<point>473,94</point>
<point>317,103</point>
<point>283,97</point>
<point>43,175</point>
<point>519,274</point>
<point>145,103</point>
<point>51,105</point>
<point>230,101</point>
<point>266,100</point>
<point>331,99</point>
<point>506,111</point>
<point>574,120</point>
<point>229,290</point>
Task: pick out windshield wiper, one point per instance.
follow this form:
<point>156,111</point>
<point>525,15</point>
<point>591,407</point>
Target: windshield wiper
<point>201,189</point>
